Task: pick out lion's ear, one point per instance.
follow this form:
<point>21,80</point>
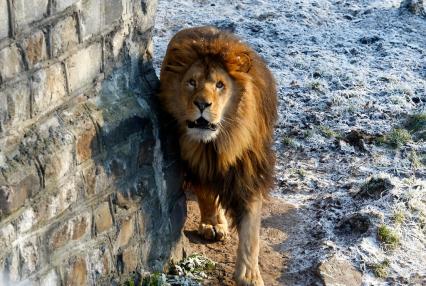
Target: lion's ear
<point>243,62</point>
<point>174,68</point>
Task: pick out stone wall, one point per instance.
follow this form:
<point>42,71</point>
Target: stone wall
<point>89,185</point>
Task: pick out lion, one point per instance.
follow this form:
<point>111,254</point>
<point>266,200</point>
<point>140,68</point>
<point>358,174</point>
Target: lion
<point>223,98</point>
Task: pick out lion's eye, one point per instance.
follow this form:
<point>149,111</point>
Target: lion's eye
<point>192,82</point>
<point>219,85</point>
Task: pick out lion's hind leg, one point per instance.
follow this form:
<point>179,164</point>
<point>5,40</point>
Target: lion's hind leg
<point>213,224</point>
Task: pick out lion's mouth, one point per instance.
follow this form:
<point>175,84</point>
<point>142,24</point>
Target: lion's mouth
<point>201,123</point>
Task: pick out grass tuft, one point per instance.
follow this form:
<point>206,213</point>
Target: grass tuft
<point>416,122</point>
<point>396,138</point>
<point>381,269</point>
<point>388,237</point>
<point>399,217</point>
<point>288,141</point>
<point>328,132</point>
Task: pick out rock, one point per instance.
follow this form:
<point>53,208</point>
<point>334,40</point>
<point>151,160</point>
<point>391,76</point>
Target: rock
<point>358,139</point>
<point>416,7</point>
<point>337,271</point>
<point>368,40</point>
<point>375,188</point>
<point>226,25</point>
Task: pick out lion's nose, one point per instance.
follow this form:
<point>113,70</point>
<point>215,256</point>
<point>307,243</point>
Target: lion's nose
<point>202,104</point>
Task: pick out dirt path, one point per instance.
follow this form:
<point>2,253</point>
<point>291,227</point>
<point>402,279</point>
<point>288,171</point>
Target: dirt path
<point>278,225</point>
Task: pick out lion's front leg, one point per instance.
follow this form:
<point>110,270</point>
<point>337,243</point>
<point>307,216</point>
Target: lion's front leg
<point>213,224</point>
<point>247,265</point>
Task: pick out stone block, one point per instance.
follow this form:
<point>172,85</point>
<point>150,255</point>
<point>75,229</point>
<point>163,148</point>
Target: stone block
<point>146,152</point>
<point>125,234</point>
<point>144,14</point>
<point>76,273</point>
<point>59,165</point>
<point>10,62</point>
<point>14,104</point>
<point>91,17</point>
<point>7,235</point>
<point>100,262</point>
<point>26,221</point>
<point>86,142</point>
<point>35,48</point>
<point>84,66</point>
<point>113,11</point>
<point>28,11</point>
<point>130,259</point>
<point>4,19</point>
<point>12,197</point>
<point>96,180</point>
<point>64,36</point>
<point>66,195</point>
<point>10,264</point>
<point>63,4</point>
<point>30,256</point>
<point>103,218</point>
<point>49,88</point>
<point>74,229</point>
<point>51,278</point>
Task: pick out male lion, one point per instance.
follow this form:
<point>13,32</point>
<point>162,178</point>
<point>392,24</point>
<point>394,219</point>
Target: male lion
<point>224,100</point>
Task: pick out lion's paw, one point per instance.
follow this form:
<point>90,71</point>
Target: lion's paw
<point>213,232</point>
<point>249,277</point>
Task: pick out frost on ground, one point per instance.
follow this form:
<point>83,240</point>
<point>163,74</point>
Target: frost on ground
<point>350,75</point>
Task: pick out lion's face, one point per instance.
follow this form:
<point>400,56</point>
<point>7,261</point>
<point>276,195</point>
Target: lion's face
<point>206,96</point>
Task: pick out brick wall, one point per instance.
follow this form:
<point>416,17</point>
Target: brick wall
<point>89,184</point>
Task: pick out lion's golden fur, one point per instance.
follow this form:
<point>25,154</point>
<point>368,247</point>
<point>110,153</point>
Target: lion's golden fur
<point>237,165</point>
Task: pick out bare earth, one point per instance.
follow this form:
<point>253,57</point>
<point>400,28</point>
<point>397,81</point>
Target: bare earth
<point>279,220</point>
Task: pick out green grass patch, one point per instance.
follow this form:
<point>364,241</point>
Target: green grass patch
<point>316,85</point>
<point>155,279</point>
<point>399,217</point>
<point>415,160</point>
<point>308,133</point>
<point>396,138</point>
<point>328,132</point>
<point>381,269</point>
<point>288,141</point>
<point>194,266</point>
<point>416,122</point>
<point>388,237</point>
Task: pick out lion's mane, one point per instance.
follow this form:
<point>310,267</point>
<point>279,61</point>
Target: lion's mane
<point>239,163</point>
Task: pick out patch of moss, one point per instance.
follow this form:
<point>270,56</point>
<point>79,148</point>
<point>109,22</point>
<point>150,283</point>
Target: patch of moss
<point>381,269</point>
<point>388,237</point>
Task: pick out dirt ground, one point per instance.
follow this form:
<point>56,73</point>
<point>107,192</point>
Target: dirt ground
<point>278,225</point>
